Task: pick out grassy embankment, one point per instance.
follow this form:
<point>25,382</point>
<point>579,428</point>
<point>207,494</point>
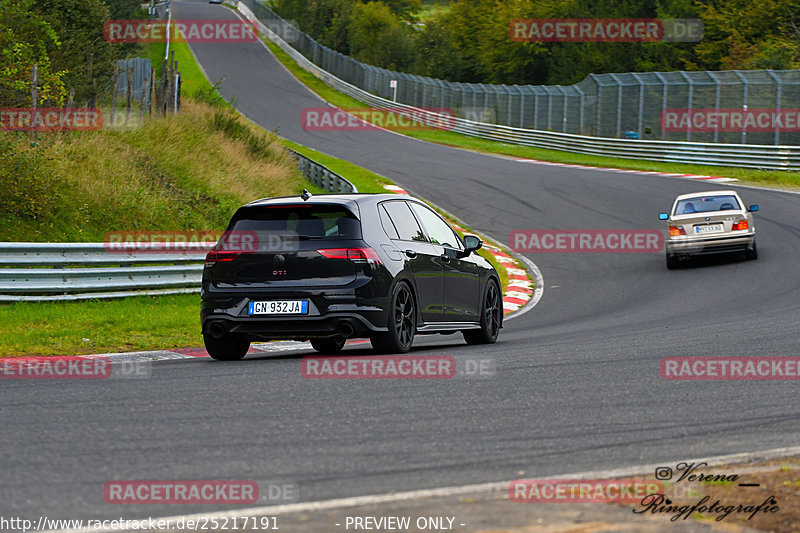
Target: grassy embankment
<point>188,171</point>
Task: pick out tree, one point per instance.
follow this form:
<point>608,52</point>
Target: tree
<point>403,9</point>
<point>25,38</point>
<point>125,9</point>
<point>377,37</point>
<point>79,26</point>
<point>437,53</point>
<point>746,34</point>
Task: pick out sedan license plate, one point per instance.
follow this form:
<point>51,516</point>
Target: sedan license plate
<point>279,307</point>
<point>708,228</point>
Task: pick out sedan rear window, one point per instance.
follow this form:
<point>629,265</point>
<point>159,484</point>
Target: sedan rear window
<point>704,204</point>
<point>307,221</point>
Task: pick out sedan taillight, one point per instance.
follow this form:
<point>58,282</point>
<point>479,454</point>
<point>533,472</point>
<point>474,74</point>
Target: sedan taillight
<point>742,224</point>
<point>674,231</point>
<point>356,255</point>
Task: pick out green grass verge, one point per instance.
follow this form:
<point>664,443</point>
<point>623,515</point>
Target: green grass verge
<point>747,176</point>
<point>194,83</point>
<point>364,180</point>
<point>98,326</point>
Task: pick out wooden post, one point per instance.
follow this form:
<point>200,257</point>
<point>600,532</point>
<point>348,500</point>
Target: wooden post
<point>34,83</point>
<point>162,104</point>
<point>180,82</point>
<point>130,93</point>
<point>152,90</point>
<point>145,90</point>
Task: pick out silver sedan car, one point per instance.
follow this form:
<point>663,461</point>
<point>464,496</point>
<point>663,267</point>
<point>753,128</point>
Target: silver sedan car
<point>709,223</point>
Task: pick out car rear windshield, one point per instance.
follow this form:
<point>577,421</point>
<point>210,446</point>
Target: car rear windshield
<point>315,221</point>
<point>704,204</point>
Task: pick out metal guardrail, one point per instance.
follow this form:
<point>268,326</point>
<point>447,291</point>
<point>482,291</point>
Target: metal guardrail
<point>772,157</point>
<point>322,176</point>
<point>75,271</point>
<point>32,271</point>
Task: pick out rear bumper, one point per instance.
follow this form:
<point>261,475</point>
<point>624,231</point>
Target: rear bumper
<point>331,311</point>
<point>294,328</point>
<point>711,245</point>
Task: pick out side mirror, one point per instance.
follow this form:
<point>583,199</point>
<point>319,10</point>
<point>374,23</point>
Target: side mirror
<point>472,243</point>
<point>663,216</point>
<point>754,207</point>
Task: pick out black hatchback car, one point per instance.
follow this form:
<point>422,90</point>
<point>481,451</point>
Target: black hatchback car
<point>330,267</point>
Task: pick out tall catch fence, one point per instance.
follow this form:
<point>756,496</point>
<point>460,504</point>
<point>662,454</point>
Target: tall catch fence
<point>623,106</point>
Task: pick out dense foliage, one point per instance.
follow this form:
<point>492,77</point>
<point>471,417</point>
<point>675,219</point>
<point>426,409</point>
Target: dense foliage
<point>64,39</point>
<point>468,40</point>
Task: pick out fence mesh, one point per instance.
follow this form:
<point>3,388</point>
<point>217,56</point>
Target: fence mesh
<point>140,69</point>
<point>629,105</point>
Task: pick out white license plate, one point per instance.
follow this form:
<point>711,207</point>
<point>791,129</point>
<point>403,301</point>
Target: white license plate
<point>278,307</point>
<point>708,228</point>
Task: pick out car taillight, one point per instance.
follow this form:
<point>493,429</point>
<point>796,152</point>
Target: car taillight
<point>220,256</point>
<point>742,224</point>
<point>674,231</point>
<point>356,255</point>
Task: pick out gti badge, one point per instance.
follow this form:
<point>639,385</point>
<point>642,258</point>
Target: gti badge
<point>278,261</point>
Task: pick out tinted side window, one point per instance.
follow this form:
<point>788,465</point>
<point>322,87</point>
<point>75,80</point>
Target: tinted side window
<point>404,221</point>
<point>387,224</point>
<point>438,230</point>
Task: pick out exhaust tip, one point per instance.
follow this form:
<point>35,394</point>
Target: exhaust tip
<point>216,330</point>
<point>345,329</point>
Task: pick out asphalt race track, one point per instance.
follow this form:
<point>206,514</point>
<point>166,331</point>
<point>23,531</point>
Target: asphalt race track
<point>577,385</point>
